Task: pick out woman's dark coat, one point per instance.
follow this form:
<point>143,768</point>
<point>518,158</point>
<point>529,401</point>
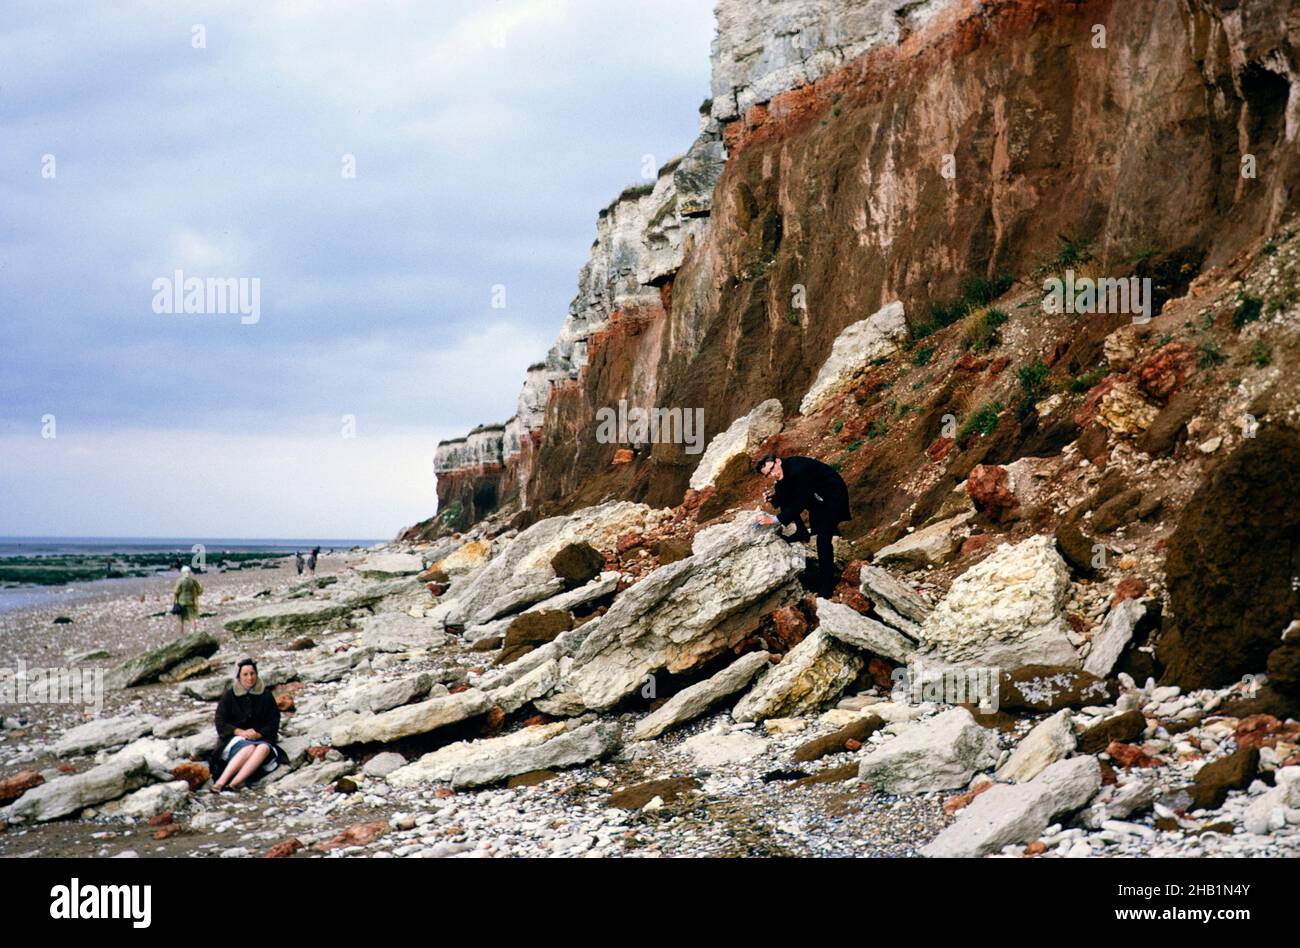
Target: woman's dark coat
<point>808,484</point>
<point>240,708</point>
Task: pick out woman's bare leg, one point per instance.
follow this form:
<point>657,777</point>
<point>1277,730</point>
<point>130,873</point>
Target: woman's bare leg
<point>255,760</point>
<point>233,765</point>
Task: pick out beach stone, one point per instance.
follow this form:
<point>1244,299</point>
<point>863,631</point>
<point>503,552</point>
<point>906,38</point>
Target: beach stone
<point>814,672</point>
<point>335,667</point>
<point>858,730</point>
<point>929,546</point>
<point>527,688</point>
<point>718,748</point>
<point>1047,689</point>
<point>190,668</point>
<point>410,719</point>
<point>521,574</point>
<point>149,665</point>
<point>399,632</point>
<point>686,612</point>
<point>691,702</point>
<point>149,801</point>
<point>577,564</point>
<point>1018,813</point>
<point>880,586</point>
<point>381,765</point>
<point>1212,782</point>
<point>1116,631</point>
<point>285,618</point>
<point>858,631</point>
<point>1006,611</point>
<point>1118,801</point>
<point>1049,741</point>
<point>184,724</point>
<point>741,437</point>
<point>390,565</point>
<point>13,787</point>
<point>858,344</point>
<point>103,733</point>
<point>1262,815</point>
<point>941,753</point>
<point>531,629</point>
<point>1125,727</point>
<point>541,747</point>
<point>67,795</point>
<point>313,775</point>
<point>383,696</point>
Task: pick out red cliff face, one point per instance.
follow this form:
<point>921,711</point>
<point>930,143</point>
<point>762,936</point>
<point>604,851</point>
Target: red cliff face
<point>974,141</point>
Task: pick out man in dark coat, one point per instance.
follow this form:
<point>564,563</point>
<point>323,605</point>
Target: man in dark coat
<point>808,484</point>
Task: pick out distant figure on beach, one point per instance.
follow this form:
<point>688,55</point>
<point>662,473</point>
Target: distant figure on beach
<point>108,569</point>
<point>311,560</point>
<point>185,599</point>
<point>176,565</point>
<point>297,558</point>
<point>248,726</point>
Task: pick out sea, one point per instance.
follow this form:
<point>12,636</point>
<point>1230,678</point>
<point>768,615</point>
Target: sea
<point>18,597</point>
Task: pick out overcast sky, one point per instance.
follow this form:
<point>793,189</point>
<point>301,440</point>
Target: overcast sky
<point>137,139</point>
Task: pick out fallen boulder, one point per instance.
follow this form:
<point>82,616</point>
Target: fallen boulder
<point>70,794</point>
<point>814,672</point>
<point>1113,637</point>
<point>1006,814</point>
<point>690,703</point>
<point>857,345</point>
<point>858,631</point>
<point>1006,611</point>
<point>103,733</point>
<point>686,612</point>
<point>410,719</point>
<point>1049,741</point>
<point>941,753</point>
<point>741,437</point>
<point>147,667</point>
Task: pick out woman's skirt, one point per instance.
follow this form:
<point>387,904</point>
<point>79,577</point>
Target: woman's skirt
<point>189,611</point>
<point>236,744</point>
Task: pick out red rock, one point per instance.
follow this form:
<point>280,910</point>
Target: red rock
<point>436,589</point>
<point>972,545</point>
<point>1130,587</point>
<point>1129,755</point>
<point>962,800</point>
<point>1036,848</point>
<point>989,486</point>
<point>284,702</point>
<point>1057,352</point>
<point>168,831</point>
<point>1163,373</point>
<point>4,826</point>
<point>791,625</point>
<point>11,788</point>
<point>67,768</point>
<point>852,573</point>
<point>997,366</point>
<point>444,792</point>
<point>940,449</point>
<point>622,456</point>
<point>969,363</point>
<point>1264,730</point>
<point>537,719</point>
<point>193,773</point>
<point>494,721</point>
<point>882,673</point>
<point>284,849</point>
<point>317,752</point>
<point>359,834</point>
<point>852,744</point>
<point>853,599</point>
<point>629,540</point>
<point>162,819</point>
<point>1077,622</point>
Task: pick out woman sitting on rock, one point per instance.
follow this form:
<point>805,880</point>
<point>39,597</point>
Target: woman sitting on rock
<point>248,724</point>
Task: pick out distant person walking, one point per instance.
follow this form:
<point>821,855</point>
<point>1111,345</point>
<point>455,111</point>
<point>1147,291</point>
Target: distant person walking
<point>185,599</point>
<point>808,484</point>
<point>311,560</point>
<point>248,726</point>
<point>297,559</point>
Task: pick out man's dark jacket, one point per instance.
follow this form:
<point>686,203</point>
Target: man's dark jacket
<point>808,484</point>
